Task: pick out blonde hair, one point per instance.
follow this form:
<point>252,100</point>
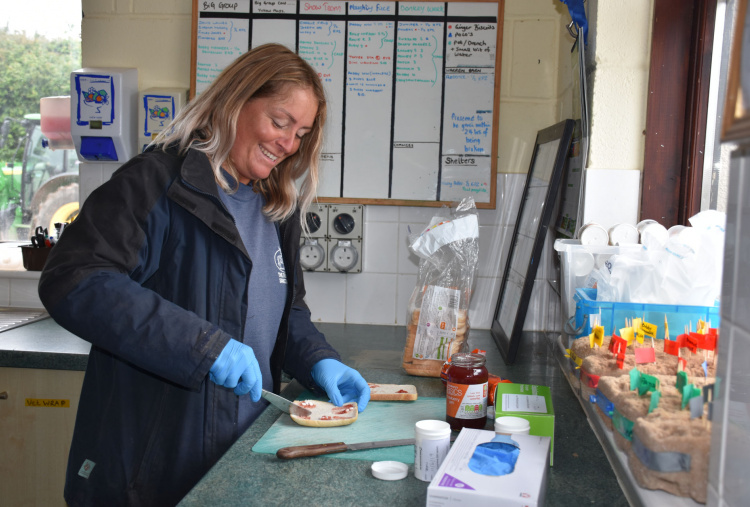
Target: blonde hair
<point>208,123</point>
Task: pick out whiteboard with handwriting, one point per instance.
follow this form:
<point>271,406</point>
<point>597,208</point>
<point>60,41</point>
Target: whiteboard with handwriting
<point>412,89</point>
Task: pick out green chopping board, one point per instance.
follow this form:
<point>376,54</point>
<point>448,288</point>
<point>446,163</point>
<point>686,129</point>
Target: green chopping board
<point>381,420</point>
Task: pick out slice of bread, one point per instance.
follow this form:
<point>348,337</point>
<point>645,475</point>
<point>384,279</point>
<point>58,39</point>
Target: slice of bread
<point>325,414</point>
<point>392,392</point>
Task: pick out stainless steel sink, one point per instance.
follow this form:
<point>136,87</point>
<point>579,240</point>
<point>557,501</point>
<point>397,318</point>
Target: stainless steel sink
<point>14,317</point>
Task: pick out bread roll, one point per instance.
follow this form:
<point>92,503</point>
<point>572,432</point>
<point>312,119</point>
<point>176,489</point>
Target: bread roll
<point>325,414</point>
<point>392,392</point>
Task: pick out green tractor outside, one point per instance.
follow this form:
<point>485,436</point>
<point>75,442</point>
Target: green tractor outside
<point>38,186</point>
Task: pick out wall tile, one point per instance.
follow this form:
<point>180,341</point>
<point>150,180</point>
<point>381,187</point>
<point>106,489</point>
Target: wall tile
<point>169,33</point>
<point>534,8</point>
<point>406,286</point>
<point>381,244</point>
<point>93,7</point>
<point>418,215</point>
<point>494,243</point>
<point>408,262</point>
<point>326,296</point>
<point>483,301</point>
<point>162,7</point>
<point>90,175</point>
<point>24,292</point>
<point>371,298</point>
<point>520,120</point>
<point>506,65</point>
<point>381,213</point>
<point>534,60</point>
<point>536,312</point>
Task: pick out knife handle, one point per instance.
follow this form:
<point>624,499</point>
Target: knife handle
<point>301,451</point>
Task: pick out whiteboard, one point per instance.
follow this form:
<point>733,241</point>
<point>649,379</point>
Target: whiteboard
<point>412,89</point>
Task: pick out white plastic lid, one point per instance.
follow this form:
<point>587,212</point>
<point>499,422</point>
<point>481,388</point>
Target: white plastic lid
<point>593,234</point>
<point>432,429</point>
<point>623,234</point>
<point>389,470</point>
<point>654,235</point>
<point>508,425</point>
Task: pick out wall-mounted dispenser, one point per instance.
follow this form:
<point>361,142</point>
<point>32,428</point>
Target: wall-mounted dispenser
<point>103,112</point>
<point>157,107</point>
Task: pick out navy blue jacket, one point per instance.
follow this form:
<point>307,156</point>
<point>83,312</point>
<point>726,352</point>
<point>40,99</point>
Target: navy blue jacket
<point>154,274</point>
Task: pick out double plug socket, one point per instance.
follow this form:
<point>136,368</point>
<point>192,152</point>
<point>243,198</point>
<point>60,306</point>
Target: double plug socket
<point>335,242</point>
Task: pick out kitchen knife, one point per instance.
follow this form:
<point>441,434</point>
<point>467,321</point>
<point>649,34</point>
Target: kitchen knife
<point>302,451</point>
<point>285,405</point>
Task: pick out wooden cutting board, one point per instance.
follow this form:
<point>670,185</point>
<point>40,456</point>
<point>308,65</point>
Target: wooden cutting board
<point>381,420</point>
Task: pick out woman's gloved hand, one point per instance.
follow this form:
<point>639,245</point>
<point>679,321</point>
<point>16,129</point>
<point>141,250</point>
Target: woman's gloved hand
<point>237,368</point>
<point>341,383</point>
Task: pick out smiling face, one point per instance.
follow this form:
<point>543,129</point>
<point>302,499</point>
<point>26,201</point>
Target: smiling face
<point>269,130</point>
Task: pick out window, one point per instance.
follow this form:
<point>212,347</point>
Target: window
<point>40,44</point>
<point>685,164</point>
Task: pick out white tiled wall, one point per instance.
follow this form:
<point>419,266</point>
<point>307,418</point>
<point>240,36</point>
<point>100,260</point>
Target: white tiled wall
<point>730,437</point>
<point>379,295</point>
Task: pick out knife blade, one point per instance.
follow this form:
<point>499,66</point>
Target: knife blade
<point>285,405</point>
<point>301,451</point>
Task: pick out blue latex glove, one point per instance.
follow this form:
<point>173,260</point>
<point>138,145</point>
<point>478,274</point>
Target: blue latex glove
<point>578,14</point>
<point>237,368</point>
<point>497,457</point>
<point>341,383</point>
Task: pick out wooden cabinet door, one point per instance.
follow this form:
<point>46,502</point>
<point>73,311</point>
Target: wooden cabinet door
<point>36,428</point>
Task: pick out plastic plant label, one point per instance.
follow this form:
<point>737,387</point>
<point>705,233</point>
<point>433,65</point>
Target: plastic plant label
<point>648,329</point>
<point>635,378</point>
<point>627,334</point>
<point>671,347</point>
<point>655,397</point>
<point>438,319</point>
<point>682,380</point>
<point>599,335</point>
<point>645,355</point>
<point>688,392</point>
<point>647,383</point>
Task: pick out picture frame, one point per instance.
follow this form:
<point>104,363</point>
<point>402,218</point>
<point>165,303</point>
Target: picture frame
<point>736,119</point>
<point>534,216</point>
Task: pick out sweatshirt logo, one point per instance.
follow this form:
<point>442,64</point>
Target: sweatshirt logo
<point>279,260</point>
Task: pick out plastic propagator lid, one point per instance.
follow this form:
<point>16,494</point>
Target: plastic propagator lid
<point>390,470</point>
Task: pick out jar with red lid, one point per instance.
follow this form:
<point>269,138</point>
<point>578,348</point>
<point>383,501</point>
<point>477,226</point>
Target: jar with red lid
<point>466,392</point>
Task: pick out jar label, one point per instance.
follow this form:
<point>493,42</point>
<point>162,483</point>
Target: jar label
<point>466,401</point>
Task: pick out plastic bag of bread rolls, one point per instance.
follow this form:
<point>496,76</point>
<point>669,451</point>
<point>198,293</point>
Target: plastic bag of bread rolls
<point>437,314</point>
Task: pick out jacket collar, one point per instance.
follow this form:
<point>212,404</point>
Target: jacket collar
<point>196,172</point>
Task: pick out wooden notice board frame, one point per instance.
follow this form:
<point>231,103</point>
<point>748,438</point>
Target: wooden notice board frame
<point>459,158</point>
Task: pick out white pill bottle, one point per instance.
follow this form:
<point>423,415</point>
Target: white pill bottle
<point>431,446</point>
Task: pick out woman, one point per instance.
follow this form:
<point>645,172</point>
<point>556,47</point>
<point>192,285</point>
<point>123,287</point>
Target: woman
<point>182,272</point>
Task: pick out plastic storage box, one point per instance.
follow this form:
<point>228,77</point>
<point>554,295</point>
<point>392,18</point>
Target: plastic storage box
<point>577,262</point>
<point>613,315</point>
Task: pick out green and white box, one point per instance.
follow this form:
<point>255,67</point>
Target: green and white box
<point>533,403</point>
